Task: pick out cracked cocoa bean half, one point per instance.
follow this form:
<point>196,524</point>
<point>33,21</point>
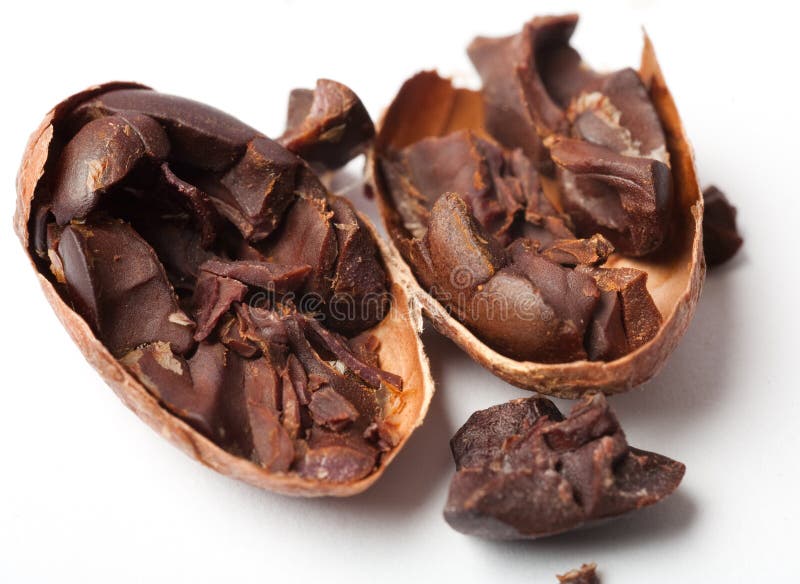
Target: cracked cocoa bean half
<point>524,471</point>
<point>549,224</point>
<point>247,314</point>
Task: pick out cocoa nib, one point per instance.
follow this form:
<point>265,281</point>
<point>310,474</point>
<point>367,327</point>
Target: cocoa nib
<point>721,239</point>
<point>524,471</point>
<point>327,126</point>
<point>586,574</point>
<point>603,134</point>
<point>111,275</point>
<point>268,276</point>
<point>99,156</point>
<point>215,265</point>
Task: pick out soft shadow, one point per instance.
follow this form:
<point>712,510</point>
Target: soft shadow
<point>668,519</point>
<point>695,378</point>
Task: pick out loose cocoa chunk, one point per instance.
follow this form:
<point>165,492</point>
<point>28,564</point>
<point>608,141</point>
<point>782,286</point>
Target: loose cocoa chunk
<point>721,239</point>
<point>586,574</point>
<point>525,472</point>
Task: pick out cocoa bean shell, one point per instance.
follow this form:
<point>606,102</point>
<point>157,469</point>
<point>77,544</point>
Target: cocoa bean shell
<point>400,350</point>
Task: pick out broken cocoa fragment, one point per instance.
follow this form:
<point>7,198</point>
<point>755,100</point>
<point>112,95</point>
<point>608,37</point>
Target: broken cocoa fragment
<point>200,135</point>
<point>307,237</point>
<point>233,334</point>
<point>573,252</point>
<point>362,397</point>
<point>606,335</point>
<point>498,186</point>
<point>572,295</point>
<point>273,448</point>
<point>213,297</point>
<point>272,277</point>
<point>519,88</point>
<point>338,346</point>
<point>254,194</point>
<point>291,413</point>
<point>178,247</point>
<point>336,457</point>
<point>480,440</point>
<point>195,201</point>
<point>359,297</point>
<point>331,410</point>
<point>586,574</point>
<point>625,198</point>
<point>102,154</point>
<point>721,239</point>
<point>168,377</point>
<point>179,209</point>
<point>327,127</point>
<point>640,314</point>
<point>112,275</point>
<point>298,378</point>
<point>525,472</point>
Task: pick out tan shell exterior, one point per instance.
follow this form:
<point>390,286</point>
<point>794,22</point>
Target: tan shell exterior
<point>428,105</point>
<point>400,352</point>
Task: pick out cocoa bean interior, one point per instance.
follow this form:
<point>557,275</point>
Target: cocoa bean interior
<point>509,226</point>
<point>216,266</point>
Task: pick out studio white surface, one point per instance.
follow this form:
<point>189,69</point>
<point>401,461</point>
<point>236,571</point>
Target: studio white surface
<point>88,493</point>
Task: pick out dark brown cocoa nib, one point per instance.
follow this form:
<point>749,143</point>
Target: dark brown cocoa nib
<point>524,471</point>
<point>615,177</point>
<point>586,574</point>
<point>189,242</point>
<point>721,239</point>
<point>521,271</point>
<point>328,126</point>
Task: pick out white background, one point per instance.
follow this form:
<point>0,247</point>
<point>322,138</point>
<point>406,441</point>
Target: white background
<point>88,493</point>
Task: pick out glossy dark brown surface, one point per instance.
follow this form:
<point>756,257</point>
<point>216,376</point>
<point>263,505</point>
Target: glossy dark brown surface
<point>721,238</point>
